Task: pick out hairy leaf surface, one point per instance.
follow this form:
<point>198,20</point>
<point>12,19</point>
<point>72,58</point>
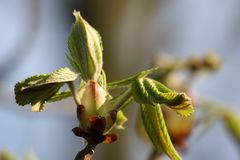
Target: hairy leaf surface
<point>36,90</point>
<point>85,47</point>
<point>156,129</point>
<point>149,91</point>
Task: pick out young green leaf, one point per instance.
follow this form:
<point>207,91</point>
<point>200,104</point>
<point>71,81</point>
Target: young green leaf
<point>156,129</point>
<point>140,93</point>
<point>149,91</point>
<point>38,107</point>
<point>121,119</point>
<point>85,47</point>
<point>102,81</point>
<point>36,90</point>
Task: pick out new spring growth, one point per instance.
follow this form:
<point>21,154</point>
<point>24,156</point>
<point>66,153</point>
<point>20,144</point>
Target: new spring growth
<point>85,49</point>
<point>98,111</point>
<point>227,114</point>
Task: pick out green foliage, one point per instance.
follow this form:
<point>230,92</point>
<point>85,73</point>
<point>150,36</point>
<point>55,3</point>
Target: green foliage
<point>36,90</point>
<point>229,117</point>
<point>85,47</point>
<point>149,91</point>
<point>97,110</point>
<point>121,119</point>
<point>157,131</point>
<point>102,81</point>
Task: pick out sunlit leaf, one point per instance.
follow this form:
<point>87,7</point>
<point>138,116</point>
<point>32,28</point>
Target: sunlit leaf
<point>36,90</point>
<point>85,47</point>
<point>121,119</point>
<point>102,80</point>
<point>149,91</point>
<point>157,131</point>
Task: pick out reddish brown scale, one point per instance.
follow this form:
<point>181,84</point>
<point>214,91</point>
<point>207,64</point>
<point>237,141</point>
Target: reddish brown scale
<point>111,119</point>
<point>80,110</point>
<point>110,138</point>
<point>78,132</point>
<point>113,115</point>
<point>97,125</point>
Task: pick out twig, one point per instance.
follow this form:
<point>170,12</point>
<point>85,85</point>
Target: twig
<point>86,153</point>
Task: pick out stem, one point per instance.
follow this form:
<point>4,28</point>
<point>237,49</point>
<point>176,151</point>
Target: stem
<point>123,100</point>
<point>60,96</point>
<point>129,80</point>
<point>121,83</point>
<point>86,153</point>
<point>118,103</point>
<point>74,93</point>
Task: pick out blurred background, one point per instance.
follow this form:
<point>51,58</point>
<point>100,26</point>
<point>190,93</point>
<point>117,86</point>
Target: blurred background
<point>33,41</point>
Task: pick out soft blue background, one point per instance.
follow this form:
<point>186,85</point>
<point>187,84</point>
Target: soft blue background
<point>186,27</point>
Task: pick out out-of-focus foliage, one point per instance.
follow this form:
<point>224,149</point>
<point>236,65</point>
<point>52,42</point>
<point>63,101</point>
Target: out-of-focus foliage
<point>179,74</point>
<point>232,123</point>
<point>5,155</point>
<point>226,114</point>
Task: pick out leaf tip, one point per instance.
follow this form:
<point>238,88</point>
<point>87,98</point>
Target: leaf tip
<point>38,107</point>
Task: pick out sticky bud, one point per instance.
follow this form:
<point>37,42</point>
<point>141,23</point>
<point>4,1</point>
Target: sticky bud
<point>92,97</point>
